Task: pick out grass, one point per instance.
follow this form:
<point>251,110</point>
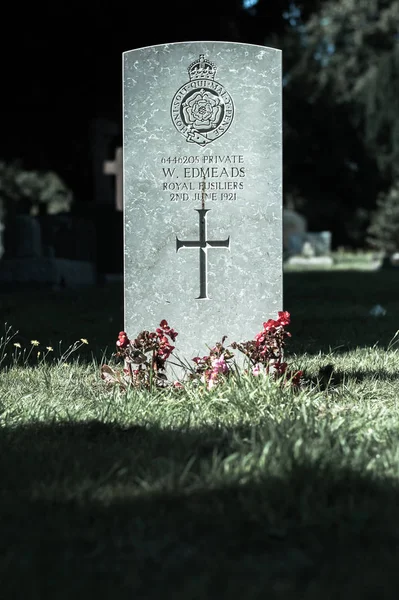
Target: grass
<point>248,491</point>
<point>342,260</point>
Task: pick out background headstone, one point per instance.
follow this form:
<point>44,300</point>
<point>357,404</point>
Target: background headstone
<point>50,250</point>
<point>115,167</point>
<point>106,136</point>
<point>320,242</point>
<point>202,190</point>
<point>294,230</point>
<point>314,250</point>
<point>23,237</point>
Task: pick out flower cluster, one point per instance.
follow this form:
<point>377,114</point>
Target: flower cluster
<point>39,353</point>
<point>144,358</point>
<point>265,354</point>
<point>266,351</point>
<point>212,368</point>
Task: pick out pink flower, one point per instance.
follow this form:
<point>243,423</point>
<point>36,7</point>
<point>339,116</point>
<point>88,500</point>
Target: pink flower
<point>256,370</point>
<point>219,365</point>
<point>177,384</point>
<point>211,381</point>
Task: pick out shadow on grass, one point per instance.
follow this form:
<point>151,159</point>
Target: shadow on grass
<point>339,377</point>
<point>328,376</point>
<point>60,318</point>
<point>95,511</point>
<point>329,310</point>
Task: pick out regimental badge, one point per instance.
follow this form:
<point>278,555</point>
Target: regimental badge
<point>202,110</point>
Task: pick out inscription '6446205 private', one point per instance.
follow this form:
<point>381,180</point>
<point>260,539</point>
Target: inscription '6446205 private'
<point>202,110</point>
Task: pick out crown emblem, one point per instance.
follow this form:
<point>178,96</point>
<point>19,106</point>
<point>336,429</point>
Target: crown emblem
<point>202,109</point>
<point>202,69</point>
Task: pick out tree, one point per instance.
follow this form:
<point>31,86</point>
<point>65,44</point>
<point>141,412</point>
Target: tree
<point>383,232</point>
<point>352,52</point>
<point>342,72</point>
<point>32,192</point>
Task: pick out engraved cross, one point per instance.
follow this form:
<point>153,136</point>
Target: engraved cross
<point>203,244</point>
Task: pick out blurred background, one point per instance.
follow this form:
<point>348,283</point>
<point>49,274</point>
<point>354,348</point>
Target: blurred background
<point>60,224</point>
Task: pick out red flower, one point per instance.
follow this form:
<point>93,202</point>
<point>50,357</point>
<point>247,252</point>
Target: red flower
<point>284,317</point>
<point>296,379</point>
<point>164,329</point>
<point>123,341</point>
<point>165,349</point>
<point>172,334</point>
<point>281,367</point>
<point>168,351</point>
<point>269,325</point>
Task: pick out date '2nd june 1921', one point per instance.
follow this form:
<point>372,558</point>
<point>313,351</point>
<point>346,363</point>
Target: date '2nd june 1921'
<point>203,196</point>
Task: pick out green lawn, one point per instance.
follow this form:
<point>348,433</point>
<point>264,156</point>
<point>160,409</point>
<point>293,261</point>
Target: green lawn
<point>247,491</point>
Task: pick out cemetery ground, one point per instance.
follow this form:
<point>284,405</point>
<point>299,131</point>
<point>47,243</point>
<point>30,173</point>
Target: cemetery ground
<point>248,489</point>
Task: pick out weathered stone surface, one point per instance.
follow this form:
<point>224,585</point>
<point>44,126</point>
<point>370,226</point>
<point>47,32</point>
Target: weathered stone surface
<point>202,190</point>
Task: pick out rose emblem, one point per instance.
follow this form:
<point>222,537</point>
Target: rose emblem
<point>202,110</point>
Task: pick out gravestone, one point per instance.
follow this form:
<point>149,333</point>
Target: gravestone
<point>315,250</point>
<point>319,242</point>
<point>106,135</point>
<point>294,232</point>
<point>50,250</point>
<point>115,167</point>
<point>202,148</point>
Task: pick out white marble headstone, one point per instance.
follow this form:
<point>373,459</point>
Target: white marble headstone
<point>202,154</point>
